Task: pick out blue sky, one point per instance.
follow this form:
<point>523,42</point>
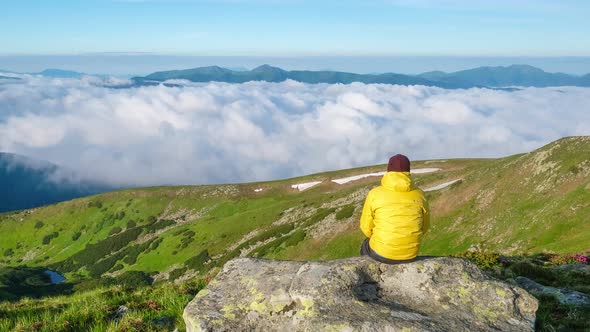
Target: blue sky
<point>297,27</point>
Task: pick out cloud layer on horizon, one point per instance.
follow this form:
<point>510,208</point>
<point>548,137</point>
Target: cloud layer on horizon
<point>221,132</point>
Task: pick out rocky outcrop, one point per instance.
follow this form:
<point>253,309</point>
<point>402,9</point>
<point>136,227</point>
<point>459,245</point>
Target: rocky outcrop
<point>564,296</point>
<point>358,294</point>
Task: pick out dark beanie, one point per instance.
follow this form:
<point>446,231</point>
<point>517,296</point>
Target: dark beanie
<point>398,163</point>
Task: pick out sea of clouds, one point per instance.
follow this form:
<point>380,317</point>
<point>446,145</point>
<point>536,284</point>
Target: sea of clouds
<point>220,132</point>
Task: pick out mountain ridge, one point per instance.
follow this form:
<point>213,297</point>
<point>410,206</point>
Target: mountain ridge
<point>492,77</point>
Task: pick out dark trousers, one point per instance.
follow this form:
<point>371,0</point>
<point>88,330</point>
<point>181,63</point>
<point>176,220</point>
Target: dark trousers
<point>367,251</point>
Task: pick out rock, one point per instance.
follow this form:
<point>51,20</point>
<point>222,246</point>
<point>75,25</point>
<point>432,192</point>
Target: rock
<point>121,312</point>
<point>358,294</point>
<point>564,296</point>
<point>583,268</point>
<point>162,322</point>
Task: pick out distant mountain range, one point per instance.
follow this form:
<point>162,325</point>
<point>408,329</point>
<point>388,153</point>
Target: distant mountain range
<point>515,75</point>
<point>28,183</point>
<point>490,77</point>
<point>51,72</point>
<point>60,73</point>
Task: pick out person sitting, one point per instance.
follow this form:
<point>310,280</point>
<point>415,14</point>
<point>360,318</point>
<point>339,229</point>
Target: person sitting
<point>395,216</point>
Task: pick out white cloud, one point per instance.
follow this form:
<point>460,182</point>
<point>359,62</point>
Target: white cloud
<point>217,132</point>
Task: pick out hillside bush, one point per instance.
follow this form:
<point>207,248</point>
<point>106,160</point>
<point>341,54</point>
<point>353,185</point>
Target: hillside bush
<point>96,204</point>
<point>67,265</point>
<point>562,259</point>
<point>132,252</point>
<point>278,232</point>
<point>76,235</point>
<point>133,279</point>
<point>187,238</point>
<point>176,273</point>
<point>39,224</point>
<point>96,270</point>
<point>47,238</point>
<point>483,259</point>
<point>8,252</point>
<point>317,217</point>
<point>117,267</point>
<point>115,230</point>
<point>154,245</point>
<point>131,224</point>
<point>285,241</point>
<point>153,227</point>
<point>345,212</point>
<point>94,252</point>
<point>196,262</point>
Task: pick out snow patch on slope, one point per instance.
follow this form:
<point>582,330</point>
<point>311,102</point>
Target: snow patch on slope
<point>442,185</point>
<point>362,176</point>
<point>307,185</point>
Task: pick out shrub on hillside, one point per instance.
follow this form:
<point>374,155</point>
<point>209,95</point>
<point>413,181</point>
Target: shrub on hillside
<point>47,238</point>
<point>39,224</point>
<point>345,212</point>
<point>285,241</point>
<point>131,224</point>
<point>117,267</point>
<point>131,253</point>
<point>67,265</point>
<point>96,204</point>
<point>90,284</point>
<point>317,217</point>
<point>153,227</point>
<point>97,269</point>
<point>187,238</point>
<point>196,262</point>
<point>563,259</point>
<point>154,245</point>
<point>76,236</point>
<point>94,252</point>
<point>8,252</point>
<point>115,230</point>
<point>133,279</point>
<point>483,259</point>
<point>277,232</point>
<point>176,273</point>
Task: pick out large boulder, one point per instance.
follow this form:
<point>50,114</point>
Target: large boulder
<point>358,294</point>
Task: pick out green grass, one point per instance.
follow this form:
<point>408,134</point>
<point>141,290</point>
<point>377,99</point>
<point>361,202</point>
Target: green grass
<point>151,308</point>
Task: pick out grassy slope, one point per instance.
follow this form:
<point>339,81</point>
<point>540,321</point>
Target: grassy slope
<point>525,203</point>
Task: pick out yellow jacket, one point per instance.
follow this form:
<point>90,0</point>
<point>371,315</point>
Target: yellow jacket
<point>395,217</point>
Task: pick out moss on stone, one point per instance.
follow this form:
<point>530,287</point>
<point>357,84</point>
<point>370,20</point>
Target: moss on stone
<point>228,311</point>
<point>308,308</point>
<point>259,307</point>
<point>202,293</point>
<point>501,292</point>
